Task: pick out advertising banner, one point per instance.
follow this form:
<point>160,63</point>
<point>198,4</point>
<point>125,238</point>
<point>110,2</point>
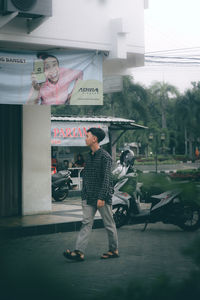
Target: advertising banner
<point>74,133</point>
<point>51,78</point>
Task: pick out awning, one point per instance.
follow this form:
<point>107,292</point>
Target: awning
<point>74,133</point>
<point>71,131</point>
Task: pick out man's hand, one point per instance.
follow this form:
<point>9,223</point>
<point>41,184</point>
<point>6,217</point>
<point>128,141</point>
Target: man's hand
<point>100,203</point>
<point>35,84</point>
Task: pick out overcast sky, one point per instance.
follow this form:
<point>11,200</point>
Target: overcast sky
<point>171,25</point>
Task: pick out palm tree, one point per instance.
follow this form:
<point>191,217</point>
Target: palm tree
<point>131,102</point>
<point>163,93</point>
<point>187,115</point>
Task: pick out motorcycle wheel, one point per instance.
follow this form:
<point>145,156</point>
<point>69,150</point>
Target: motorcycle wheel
<point>190,220</point>
<point>120,214</point>
<point>60,195</point>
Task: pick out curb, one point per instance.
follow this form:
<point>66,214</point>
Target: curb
<point>166,171</point>
<point>24,231</point>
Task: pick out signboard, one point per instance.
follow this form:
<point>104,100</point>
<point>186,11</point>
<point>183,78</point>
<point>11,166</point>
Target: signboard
<point>112,84</point>
<point>51,78</point>
<point>74,133</point>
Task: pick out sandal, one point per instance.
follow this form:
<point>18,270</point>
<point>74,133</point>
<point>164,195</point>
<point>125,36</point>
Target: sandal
<point>74,255</point>
<point>110,254</point>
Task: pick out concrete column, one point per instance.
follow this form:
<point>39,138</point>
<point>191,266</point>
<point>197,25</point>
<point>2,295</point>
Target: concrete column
<point>36,160</point>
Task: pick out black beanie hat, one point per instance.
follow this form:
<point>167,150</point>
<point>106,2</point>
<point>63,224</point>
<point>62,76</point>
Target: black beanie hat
<point>98,132</point>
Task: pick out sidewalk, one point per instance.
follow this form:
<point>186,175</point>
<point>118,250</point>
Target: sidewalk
<point>65,216</point>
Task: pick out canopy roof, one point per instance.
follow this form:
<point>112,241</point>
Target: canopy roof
<point>112,122</point>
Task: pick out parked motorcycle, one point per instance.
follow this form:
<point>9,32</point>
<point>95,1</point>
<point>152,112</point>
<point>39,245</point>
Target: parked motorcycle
<point>166,207</point>
<point>61,184</point>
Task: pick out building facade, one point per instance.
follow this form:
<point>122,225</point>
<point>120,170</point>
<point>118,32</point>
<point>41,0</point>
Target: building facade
<point>113,27</point>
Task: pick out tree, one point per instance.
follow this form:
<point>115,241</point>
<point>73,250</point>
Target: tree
<point>163,93</point>
<point>130,103</point>
<point>161,108</point>
<point>187,115</point>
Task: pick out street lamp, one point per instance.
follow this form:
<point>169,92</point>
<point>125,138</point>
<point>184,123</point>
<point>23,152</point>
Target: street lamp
<point>151,138</point>
<point>162,137</point>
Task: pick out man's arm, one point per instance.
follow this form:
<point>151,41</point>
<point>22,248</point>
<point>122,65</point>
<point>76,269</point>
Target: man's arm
<point>83,191</point>
<point>106,180</point>
<point>77,75</point>
<point>34,97</point>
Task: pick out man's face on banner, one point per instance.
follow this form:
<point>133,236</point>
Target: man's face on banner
<point>51,69</point>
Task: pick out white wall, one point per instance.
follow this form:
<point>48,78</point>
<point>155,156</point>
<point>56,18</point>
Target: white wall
<point>36,165</point>
<point>88,24</point>
<point>113,26</point>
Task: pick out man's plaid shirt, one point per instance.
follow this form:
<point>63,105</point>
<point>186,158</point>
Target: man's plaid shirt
<point>97,178</point>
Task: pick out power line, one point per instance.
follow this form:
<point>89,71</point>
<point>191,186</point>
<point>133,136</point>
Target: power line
<point>172,62</point>
<point>172,50</point>
<point>162,68</point>
<point>173,57</point>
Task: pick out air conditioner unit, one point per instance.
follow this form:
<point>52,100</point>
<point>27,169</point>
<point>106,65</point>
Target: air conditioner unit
<point>27,8</point>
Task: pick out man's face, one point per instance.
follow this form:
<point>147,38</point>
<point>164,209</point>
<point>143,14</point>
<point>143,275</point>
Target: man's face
<point>51,69</point>
<point>90,139</point>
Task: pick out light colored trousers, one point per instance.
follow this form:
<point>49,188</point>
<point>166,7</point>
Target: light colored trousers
<point>89,212</point>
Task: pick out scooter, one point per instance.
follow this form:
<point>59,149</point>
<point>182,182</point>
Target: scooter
<point>166,207</point>
<point>61,184</point>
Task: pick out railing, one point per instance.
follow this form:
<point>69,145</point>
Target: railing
<point>76,176</point>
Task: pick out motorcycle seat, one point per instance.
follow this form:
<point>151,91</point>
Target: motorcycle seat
<point>56,176</point>
<point>59,182</point>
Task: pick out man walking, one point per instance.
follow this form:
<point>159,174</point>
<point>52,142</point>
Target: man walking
<point>96,194</point>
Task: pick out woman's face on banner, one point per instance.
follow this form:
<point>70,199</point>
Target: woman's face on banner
<point>51,69</point>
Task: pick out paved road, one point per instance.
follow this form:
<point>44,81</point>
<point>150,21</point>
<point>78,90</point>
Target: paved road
<point>33,267</point>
